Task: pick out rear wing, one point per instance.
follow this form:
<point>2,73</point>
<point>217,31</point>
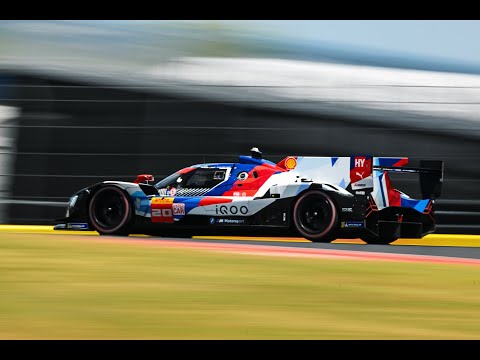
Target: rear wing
<point>431,176</point>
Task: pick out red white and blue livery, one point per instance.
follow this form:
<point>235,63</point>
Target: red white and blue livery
<point>319,198</point>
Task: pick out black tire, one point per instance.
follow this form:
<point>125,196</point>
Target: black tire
<point>110,211</point>
<point>315,216</point>
<point>377,240</point>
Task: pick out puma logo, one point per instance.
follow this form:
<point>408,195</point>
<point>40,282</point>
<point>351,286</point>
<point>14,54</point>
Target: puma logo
<point>360,174</point>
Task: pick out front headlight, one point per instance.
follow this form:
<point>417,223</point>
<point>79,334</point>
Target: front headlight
<point>71,204</point>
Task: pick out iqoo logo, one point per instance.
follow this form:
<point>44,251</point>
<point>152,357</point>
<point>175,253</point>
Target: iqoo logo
<point>231,210</point>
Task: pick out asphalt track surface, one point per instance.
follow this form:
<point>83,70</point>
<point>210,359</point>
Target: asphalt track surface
<point>436,245</point>
<point>450,251</point>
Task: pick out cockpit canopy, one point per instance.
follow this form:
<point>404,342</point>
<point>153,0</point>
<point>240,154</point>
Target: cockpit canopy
<point>215,179</point>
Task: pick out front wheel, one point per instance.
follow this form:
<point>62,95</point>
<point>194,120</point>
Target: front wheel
<point>110,211</point>
<point>315,216</point>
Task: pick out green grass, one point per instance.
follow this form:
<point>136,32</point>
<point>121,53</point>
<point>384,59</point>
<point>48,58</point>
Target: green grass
<point>59,287</point>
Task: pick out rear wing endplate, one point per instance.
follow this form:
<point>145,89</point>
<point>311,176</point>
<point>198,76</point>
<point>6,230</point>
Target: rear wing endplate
<point>431,176</point>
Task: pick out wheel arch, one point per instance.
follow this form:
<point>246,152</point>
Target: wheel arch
<point>338,197</point>
<point>96,187</point>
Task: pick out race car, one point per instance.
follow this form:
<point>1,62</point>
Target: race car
<point>318,198</point>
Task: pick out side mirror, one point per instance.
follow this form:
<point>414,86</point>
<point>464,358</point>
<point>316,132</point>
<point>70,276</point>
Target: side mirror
<point>144,178</point>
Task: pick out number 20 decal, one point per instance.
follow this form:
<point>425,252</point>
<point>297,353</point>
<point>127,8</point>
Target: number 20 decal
<point>162,212</point>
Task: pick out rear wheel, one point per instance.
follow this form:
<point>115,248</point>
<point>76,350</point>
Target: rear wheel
<point>110,211</point>
<point>315,216</point>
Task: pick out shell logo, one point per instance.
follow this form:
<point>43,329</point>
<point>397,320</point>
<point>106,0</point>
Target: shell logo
<point>290,163</point>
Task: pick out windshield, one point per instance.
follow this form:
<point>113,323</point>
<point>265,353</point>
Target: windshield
<point>167,181</point>
<point>196,182</point>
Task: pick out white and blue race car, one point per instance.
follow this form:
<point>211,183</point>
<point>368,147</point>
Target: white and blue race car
<point>319,198</point>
